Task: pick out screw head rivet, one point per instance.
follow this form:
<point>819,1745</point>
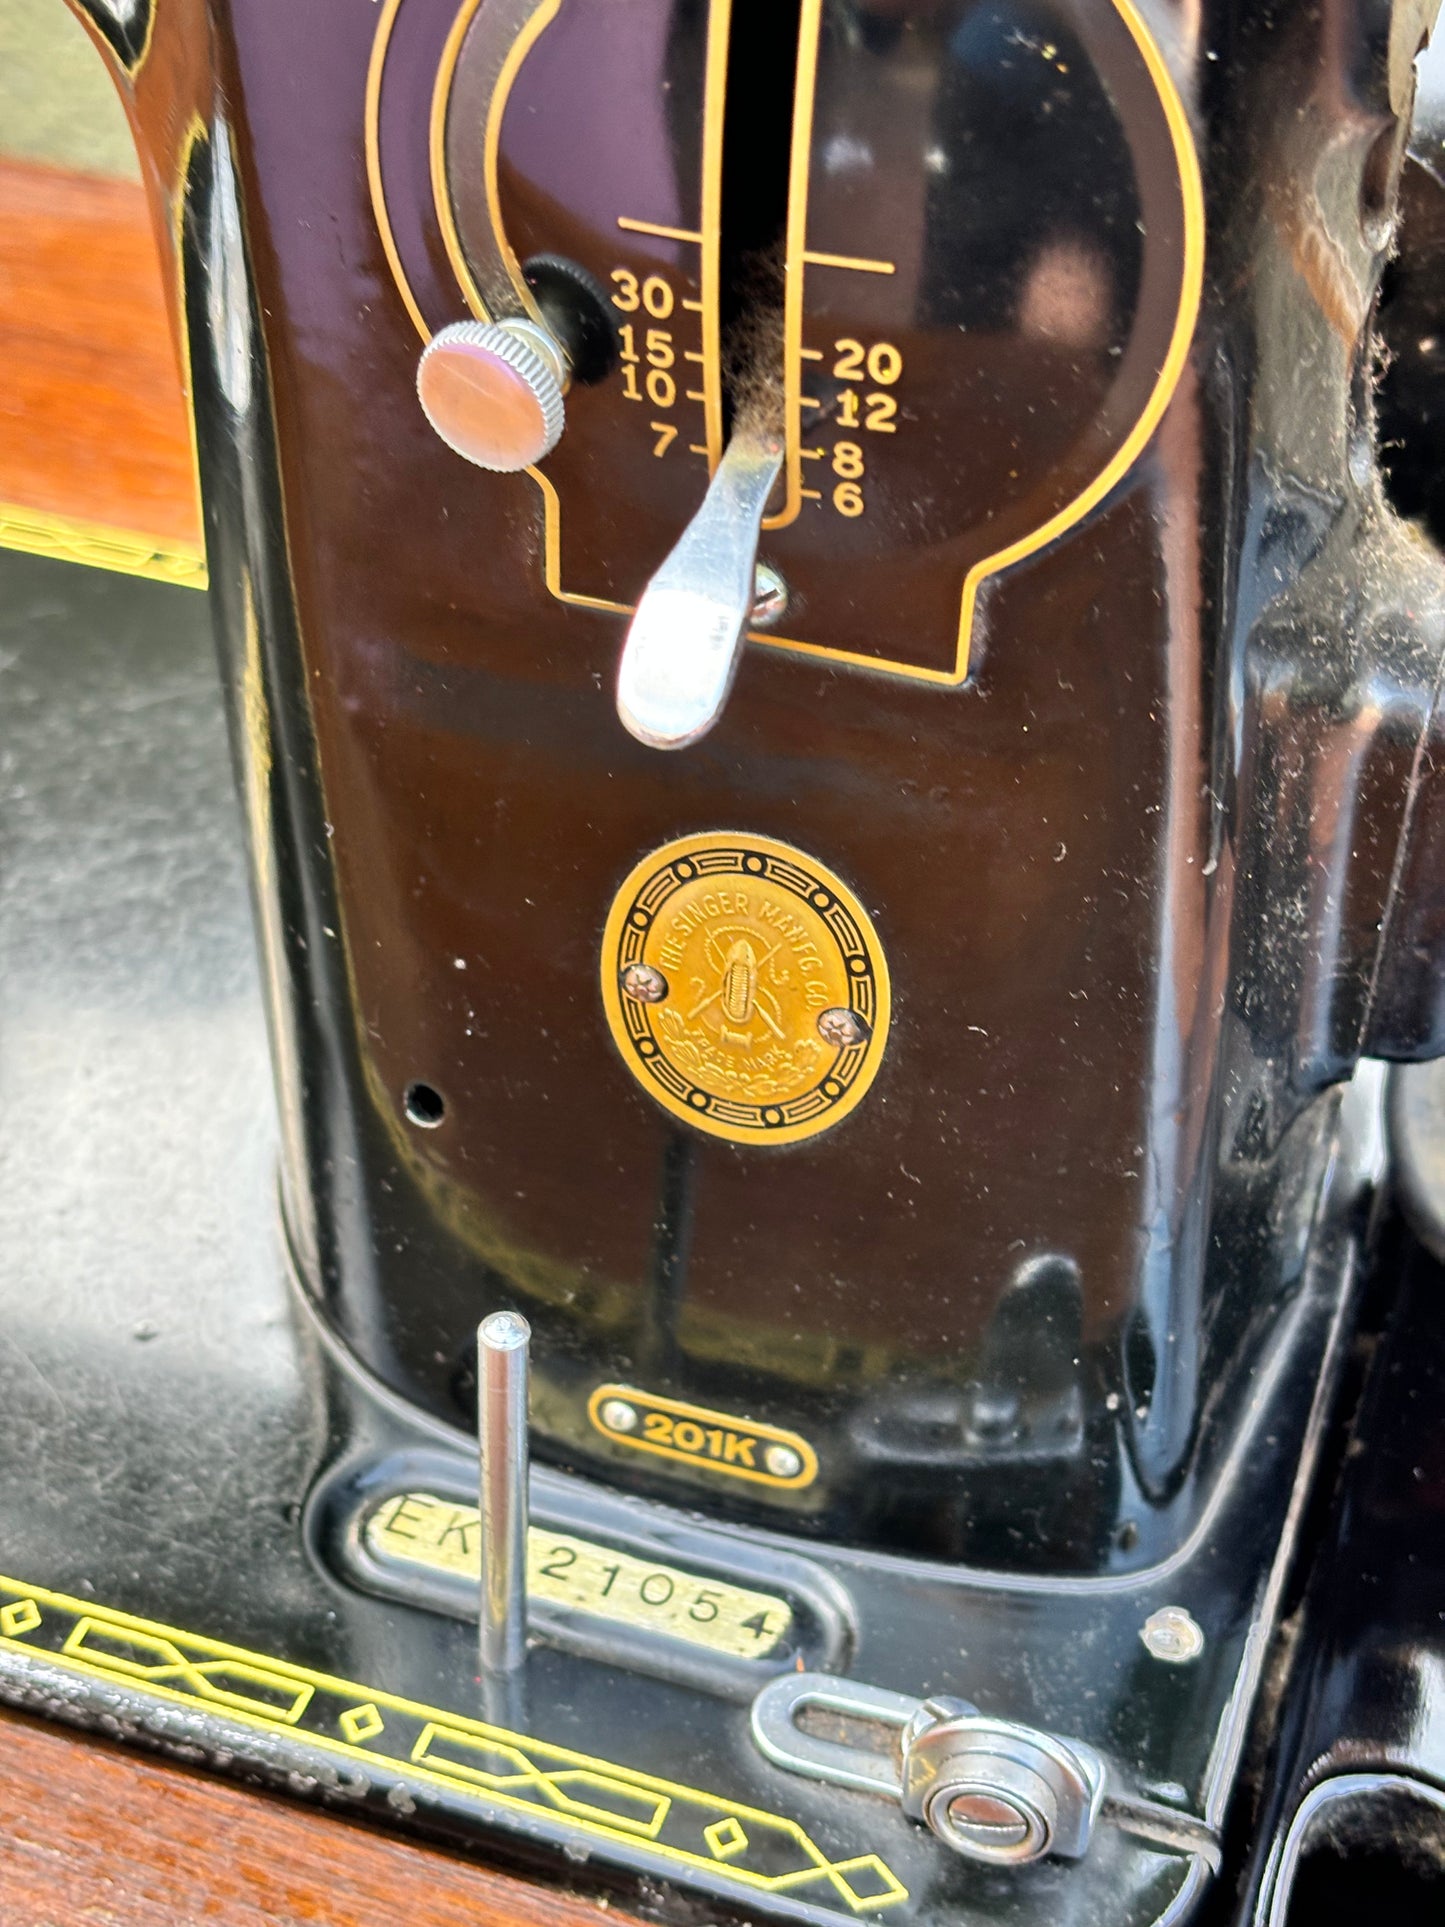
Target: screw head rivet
<point>643,984</point>
<point>770,597</point>
<point>841,1028</point>
<point>989,1824</point>
<point>1173,1635</point>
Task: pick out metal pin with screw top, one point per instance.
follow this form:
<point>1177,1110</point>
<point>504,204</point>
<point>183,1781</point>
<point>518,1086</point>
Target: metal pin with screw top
<point>503,1339</point>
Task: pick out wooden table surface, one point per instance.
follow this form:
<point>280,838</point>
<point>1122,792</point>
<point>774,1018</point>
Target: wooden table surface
<point>93,425</point>
<point>96,1835</point>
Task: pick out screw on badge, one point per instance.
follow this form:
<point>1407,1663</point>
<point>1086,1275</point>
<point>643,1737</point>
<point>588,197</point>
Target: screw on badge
<point>1173,1635</point>
<point>644,984</point>
<point>752,941</point>
<point>770,597</point>
<point>618,1416</point>
<point>782,1461</point>
<point>841,1028</point>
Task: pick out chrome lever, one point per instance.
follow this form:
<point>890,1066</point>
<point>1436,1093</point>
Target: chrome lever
<point>682,647</point>
<point>989,1788</point>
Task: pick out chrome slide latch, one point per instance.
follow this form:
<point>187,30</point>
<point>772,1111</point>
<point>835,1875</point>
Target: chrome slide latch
<point>992,1790</point>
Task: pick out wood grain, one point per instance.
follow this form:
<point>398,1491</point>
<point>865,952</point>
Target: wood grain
<point>93,423</point>
<point>93,1835</point>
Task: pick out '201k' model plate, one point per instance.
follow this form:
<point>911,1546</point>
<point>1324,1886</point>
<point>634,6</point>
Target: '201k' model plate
<point>745,987</point>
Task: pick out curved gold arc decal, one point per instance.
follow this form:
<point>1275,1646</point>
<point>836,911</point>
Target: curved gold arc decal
<point>375,185</point>
<point>715,84</point>
<point>535,25</point>
<point>1129,451</point>
<point>1171,370</point>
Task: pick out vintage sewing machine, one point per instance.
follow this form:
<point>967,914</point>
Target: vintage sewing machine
<point>840,745</point>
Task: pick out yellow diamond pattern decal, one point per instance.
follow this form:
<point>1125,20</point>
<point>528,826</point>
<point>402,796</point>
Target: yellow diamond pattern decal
<point>360,1723</point>
<point>491,1772</point>
<point>22,1617</point>
<point>725,1837</point>
<point>243,1682</point>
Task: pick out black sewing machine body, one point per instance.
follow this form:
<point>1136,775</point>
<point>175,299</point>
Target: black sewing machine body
<point>920,1119</point>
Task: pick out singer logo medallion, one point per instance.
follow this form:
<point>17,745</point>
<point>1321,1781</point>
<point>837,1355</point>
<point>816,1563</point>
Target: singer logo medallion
<point>745,987</point>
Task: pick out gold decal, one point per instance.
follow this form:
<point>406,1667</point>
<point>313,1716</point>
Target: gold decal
<point>37,532</point>
<point>725,964</point>
<point>876,362</point>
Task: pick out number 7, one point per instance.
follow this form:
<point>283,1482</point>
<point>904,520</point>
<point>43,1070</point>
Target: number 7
<point>666,435</point>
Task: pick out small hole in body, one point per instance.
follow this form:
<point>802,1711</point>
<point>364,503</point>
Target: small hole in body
<point>425,1106</point>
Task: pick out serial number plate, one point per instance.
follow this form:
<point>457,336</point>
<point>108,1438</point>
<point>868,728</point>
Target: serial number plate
<point>417,1529</point>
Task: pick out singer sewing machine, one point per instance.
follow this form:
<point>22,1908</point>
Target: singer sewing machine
<point>834,690</point>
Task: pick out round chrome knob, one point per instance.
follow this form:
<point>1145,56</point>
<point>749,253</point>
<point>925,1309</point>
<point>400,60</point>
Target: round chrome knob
<point>493,391</point>
<point>993,1808</point>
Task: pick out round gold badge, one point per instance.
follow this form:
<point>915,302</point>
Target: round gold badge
<point>745,987</point>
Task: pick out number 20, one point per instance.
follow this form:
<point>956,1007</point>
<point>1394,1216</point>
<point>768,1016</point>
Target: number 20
<point>883,361</point>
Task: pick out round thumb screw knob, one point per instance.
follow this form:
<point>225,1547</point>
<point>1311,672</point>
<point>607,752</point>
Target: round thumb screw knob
<point>493,391</point>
